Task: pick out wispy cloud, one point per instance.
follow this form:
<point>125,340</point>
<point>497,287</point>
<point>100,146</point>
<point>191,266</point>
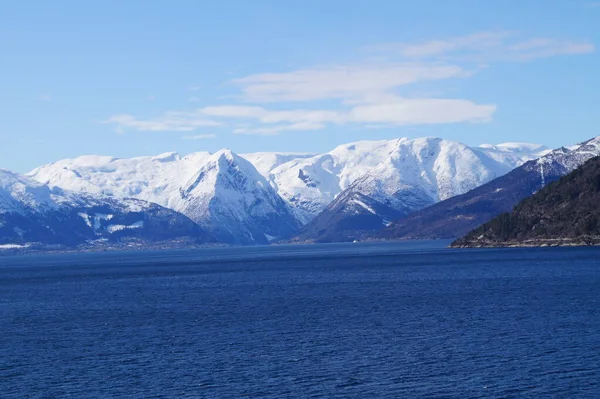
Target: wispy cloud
<point>45,97</point>
<point>426,111</point>
<point>170,121</point>
<point>486,47</point>
<point>435,48</point>
<point>353,83</point>
<point>270,116</point>
<point>369,94</point>
<point>396,111</point>
<point>274,130</point>
<point>200,137</point>
<point>593,5</point>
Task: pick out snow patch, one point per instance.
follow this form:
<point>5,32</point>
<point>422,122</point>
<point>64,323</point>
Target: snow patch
<point>270,238</point>
<point>363,205</point>
<point>118,227</point>
<point>14,246</point>
<point>98,218</point>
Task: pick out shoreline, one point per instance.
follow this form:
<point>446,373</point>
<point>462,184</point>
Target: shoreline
<point>532,243</point>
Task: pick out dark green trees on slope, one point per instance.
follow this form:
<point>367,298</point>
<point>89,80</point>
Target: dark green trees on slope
<point>566,212</point>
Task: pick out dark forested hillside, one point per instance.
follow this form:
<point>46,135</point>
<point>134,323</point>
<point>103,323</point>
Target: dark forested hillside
<point>566,212</point>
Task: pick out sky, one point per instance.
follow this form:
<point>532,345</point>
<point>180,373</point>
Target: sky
<point>132,78</point>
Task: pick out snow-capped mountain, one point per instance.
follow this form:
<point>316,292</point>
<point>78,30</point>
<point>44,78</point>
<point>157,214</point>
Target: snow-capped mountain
<point>33,212</point>
<point>415,174</point>
<point>221,192</point>
<point>258,197</point>
<point>311,184</point>
<point>152,179</point>
<point>458,215</point>
<point>229,197</point>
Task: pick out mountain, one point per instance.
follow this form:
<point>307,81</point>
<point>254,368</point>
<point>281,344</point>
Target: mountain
<point>458,215</point>
<point>415,174</point>
<point>310,184</point>
<point>152,179</point>
<point>565,212</point>
<point>261,197</point>
<point>230,198</point>
<point>31,212</point>
<point>221,192</point>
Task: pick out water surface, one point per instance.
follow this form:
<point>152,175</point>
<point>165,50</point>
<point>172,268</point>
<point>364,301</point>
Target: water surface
<point>341,320</point>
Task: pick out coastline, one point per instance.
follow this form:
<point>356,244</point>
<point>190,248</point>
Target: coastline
<point>531,243</point>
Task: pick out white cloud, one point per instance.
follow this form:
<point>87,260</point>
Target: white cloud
<point>200,137</point>
<point>273,130</point>
<point>263,121</point>
<point>544,48</point>
<point>435,48</point>
<point>170,121</point>
<point>422,111</point>
<point>396,111</point>
<point>45,97</point>
<point>369,94</point>
<point>486,47</point>
<point>269,116</point>
<point>339,82</point>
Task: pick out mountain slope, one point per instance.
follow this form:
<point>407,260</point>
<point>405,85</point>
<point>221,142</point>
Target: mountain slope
<point>416,174</point>
<point>458,215</point>
<point>564,212</point>
<point>152,179</point>
<point>229,197</point>
<point>311,184</point>
<point>33,212</point>
<point>306,183</point>
<point>221,192</point>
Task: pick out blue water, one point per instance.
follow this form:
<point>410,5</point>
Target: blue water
<point>333,321</point>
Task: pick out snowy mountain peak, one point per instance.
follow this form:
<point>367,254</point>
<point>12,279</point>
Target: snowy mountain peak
<point>592,145</point>
<point>32,212</point>
<point>411,175</point>
<point>430,169</point>
<point>232,199</point>
<point>232,190</point>
<point>569,158</point>
<point>310,184</point>
<point>224,153</point>
<point>226,169</point>
<point>21,194</point>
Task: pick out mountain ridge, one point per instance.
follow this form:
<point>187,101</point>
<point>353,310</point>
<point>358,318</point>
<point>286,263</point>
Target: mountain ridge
<point>32,212</point>
<point>564,212</point>
<point>246,203</point>
<point>458,215</point>
<point>416,173</point>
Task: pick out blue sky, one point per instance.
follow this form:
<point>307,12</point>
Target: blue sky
<point>145,77</point>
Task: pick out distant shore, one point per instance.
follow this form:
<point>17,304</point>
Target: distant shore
<point>39,249</point>
<point>532,243</point>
